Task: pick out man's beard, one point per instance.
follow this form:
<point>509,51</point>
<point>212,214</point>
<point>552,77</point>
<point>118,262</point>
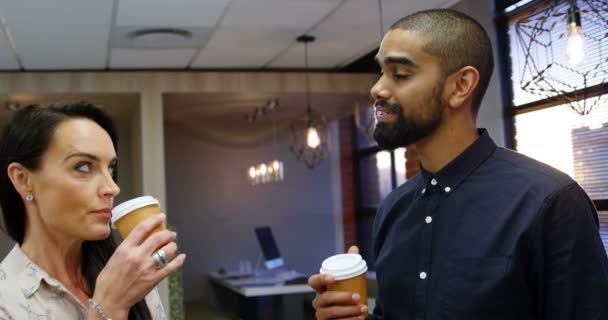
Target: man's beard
<point>406,131</point>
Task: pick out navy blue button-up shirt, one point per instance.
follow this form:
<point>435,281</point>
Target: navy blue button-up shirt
<point>492,235</point>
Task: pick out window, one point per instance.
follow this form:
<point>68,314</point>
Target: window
<point>378,172</point>
<point>533,40</point>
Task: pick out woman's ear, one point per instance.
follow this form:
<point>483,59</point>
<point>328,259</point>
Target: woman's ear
<point>21,178</point>
<point>464,83</point>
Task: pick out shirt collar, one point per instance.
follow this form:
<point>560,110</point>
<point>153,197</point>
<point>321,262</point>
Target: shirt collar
<point>452,175</point>
<point>30,276</point>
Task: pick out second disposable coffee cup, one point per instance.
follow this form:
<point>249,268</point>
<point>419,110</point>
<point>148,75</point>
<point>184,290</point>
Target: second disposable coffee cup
<point>128,214</point>
<point>349,271</point>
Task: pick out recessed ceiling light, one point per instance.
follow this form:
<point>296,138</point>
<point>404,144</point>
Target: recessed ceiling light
<point>159,38</point>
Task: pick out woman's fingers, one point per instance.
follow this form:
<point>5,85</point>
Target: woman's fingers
<point>157,241</point>
<point>172,266</point>
<point>169,251</point>
<point>142,230</point>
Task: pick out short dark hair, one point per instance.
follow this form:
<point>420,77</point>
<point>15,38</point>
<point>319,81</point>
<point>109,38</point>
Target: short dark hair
<point>25,140</point>
<point>457,40</point>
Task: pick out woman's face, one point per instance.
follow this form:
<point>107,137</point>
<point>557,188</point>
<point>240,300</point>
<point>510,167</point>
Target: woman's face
<point>73,187</point>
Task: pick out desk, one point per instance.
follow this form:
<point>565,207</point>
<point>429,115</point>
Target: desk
<point>286,301</point>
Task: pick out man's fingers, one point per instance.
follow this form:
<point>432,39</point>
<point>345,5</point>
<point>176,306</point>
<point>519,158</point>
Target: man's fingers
<point>319,282</point>
<point>336,298</point>
<point>353,249</point>
<point>342,312</point>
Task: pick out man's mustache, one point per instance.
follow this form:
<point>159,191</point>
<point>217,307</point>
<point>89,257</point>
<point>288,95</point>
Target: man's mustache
<point>392,107</point>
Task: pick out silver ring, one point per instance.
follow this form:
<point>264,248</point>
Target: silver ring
<point>160,258</point>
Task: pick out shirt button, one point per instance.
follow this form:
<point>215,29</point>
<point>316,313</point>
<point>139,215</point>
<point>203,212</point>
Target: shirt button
<point>447,189</point>
<point>434,182</point>
<point>428,219</point>
<point>423,190</point>
<point>422,275</point>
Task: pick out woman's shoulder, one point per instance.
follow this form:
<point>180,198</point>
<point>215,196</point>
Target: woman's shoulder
<point>10,269</point>
<point>11,291</point>
<point>11,294</point>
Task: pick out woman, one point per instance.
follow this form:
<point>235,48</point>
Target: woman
<point>57,172</point>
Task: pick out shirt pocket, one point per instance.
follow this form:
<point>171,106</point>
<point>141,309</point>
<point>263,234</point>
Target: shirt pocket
<point>480,288</point>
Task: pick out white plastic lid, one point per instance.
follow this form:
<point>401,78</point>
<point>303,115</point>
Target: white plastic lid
<point>122,209</point>
<point>344,266</point>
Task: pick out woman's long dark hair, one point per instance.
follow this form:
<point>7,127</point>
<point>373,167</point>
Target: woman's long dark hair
<point>24,141</point>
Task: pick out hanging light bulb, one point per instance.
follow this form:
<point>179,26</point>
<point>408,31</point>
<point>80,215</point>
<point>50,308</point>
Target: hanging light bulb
<point>310,134</point>
<point>312,137</point>
<point>575,48</point>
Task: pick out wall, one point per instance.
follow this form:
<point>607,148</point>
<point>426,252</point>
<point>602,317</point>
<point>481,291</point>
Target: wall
<point>215,210</point>
<point>490,114</point>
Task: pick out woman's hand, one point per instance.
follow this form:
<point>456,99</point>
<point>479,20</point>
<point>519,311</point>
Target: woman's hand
<point>131,273</point>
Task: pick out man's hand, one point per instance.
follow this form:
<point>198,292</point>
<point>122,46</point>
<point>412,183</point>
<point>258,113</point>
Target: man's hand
<point>336,305</point>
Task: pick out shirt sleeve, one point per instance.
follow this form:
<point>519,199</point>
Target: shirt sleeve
<point>155,305</point>
<point>573,267</point>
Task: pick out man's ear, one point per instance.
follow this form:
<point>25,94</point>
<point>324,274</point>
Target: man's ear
<point>462,84</point>
<point>21,178</point>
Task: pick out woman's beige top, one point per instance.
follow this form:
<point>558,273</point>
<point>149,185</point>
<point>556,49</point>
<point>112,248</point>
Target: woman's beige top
<point>28,292</point>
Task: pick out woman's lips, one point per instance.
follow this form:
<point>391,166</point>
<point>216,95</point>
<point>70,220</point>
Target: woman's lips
<point>106,213</point>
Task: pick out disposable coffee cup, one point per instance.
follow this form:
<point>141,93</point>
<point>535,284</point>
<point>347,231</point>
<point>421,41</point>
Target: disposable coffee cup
<point>128,214</point>
<point>349,271</point>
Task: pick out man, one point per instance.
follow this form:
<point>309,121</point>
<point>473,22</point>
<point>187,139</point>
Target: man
<point>482,232</point>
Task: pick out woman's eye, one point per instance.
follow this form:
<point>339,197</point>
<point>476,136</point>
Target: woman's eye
<point>84,167</point>
<point>112,171</point>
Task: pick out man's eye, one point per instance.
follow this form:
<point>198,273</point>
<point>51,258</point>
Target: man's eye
<point>84,167</point>
<point>400,76</point>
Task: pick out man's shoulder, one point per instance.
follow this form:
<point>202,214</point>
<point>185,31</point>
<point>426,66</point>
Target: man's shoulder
<point>512,165</point>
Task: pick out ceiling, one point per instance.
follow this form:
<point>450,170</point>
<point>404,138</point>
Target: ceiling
<point>224,34</point>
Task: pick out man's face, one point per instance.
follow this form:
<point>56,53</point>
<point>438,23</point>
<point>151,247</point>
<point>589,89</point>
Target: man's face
<point>408,95</point>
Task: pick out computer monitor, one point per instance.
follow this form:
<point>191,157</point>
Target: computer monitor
<point>269,248</point>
